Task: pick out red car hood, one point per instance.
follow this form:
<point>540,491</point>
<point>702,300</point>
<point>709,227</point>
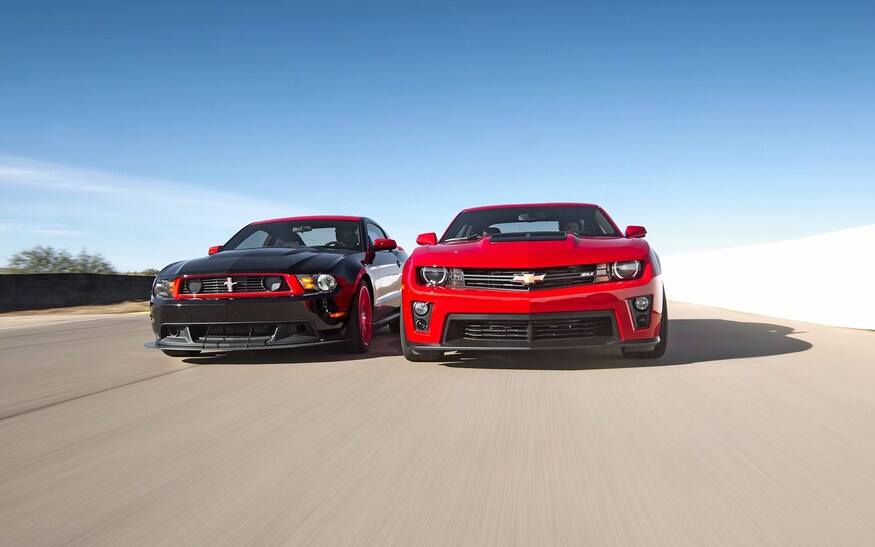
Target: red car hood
<point>485,253</point>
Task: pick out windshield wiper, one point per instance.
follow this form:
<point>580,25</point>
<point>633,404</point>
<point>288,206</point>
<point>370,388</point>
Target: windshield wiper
<point>471,237</point>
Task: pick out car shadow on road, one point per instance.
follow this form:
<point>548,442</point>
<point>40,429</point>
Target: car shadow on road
<point>383,344</point>
<point>691,341</point>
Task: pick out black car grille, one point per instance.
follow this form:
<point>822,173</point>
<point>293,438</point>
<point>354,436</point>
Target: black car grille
<point>546,331</point>
<point>553,278</point>
<point>492,330</point>
<point>240,284</point>
<point>238,335</point>
<point>557,329</point>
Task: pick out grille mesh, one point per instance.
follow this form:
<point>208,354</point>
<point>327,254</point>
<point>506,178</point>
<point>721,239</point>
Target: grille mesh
<point>241,284</point>
<point>571,328</point>
<point>537,330</point>
<point>554,278</point>
<point>499,330</point>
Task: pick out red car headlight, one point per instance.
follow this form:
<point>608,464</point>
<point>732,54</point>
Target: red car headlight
<point>626,270</point>
<point>434,276</point>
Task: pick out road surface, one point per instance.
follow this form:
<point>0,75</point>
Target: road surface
<point>750,431</point>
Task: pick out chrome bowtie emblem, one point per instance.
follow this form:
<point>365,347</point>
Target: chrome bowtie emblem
<point>528,278</point>
<point>230,284</point>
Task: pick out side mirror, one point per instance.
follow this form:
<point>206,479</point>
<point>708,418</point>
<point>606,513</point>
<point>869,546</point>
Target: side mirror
<point>215,249</point>
<point>426,239</point>
<point>636,231</point>
<point>384,244</point>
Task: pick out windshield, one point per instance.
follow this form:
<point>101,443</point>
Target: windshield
<point>582,220</point>
<point>339,234</point>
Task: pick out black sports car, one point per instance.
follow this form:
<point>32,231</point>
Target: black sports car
<point>281,283</point>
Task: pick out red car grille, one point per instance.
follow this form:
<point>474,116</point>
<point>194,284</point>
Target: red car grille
<point>528,280</point>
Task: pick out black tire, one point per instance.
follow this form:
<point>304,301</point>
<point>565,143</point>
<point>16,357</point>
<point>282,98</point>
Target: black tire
<point>361,317</point>
<point>181,352</point>
<point>658,350</point>
<point>411,355</point>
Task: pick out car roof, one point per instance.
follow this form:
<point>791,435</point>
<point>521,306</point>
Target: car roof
<point>316,217</point>
<point>512,206</point>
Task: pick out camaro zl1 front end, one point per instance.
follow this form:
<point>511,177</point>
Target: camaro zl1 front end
<point>509,278</point>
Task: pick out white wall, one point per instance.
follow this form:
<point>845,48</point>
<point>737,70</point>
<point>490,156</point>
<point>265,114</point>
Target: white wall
<point>827,279</point>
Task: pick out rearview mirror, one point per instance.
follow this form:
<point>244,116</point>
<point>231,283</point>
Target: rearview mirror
<point>635,231</point>
<point>214,250</point>
<point>426,239</point>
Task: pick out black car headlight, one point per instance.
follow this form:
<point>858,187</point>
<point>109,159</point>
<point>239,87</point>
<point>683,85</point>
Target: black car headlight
<point>434,276</point>
<point>317,282</point>
<point>163,288</point>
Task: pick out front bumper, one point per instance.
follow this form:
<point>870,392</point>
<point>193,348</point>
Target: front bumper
<point>243,324</point>
<point>466,319</point>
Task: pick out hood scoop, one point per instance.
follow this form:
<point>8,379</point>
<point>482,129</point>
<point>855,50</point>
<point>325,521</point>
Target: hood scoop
<point>528,236</point>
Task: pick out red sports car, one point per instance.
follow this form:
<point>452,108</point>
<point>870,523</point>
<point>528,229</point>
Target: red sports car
<point>538,276</point>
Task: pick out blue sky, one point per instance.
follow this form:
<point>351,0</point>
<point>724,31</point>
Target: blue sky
<point>150,131</point>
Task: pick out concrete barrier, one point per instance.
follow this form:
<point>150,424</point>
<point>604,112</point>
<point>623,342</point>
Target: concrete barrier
<point>42,291</point>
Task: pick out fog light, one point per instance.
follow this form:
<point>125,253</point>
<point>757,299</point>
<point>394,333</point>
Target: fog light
<point>420,308</point>
<point>642,320</point>
<point>420,324</point>
<point>194,285</point>
<point>641,303</point>
<point>272,283</point>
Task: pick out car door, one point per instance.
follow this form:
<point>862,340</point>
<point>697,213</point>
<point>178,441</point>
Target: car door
<point>385,272</point>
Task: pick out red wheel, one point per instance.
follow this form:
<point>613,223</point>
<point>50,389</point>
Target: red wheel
<point>361,317</point>
<point>365,314</point>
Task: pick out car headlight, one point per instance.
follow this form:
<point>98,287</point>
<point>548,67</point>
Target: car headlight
<point>163,288</point>
<point>317,282</point>
<point>326,282</point>
<point>626,270</point>
<point>434,276</point>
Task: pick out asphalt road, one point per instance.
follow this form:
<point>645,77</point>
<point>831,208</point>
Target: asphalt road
<point>750,431</point>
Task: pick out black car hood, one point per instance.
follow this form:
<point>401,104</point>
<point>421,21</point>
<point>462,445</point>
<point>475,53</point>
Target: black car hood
<point>263,260</point>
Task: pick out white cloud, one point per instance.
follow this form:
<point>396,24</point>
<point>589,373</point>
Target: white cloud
<point>55,230</point>
<point>136,222</point>
<point>193,203</point>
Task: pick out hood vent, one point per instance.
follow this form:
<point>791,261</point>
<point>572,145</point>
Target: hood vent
<point>527,236</point>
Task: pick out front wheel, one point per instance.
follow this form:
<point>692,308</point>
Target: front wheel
<point>361,316</point>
